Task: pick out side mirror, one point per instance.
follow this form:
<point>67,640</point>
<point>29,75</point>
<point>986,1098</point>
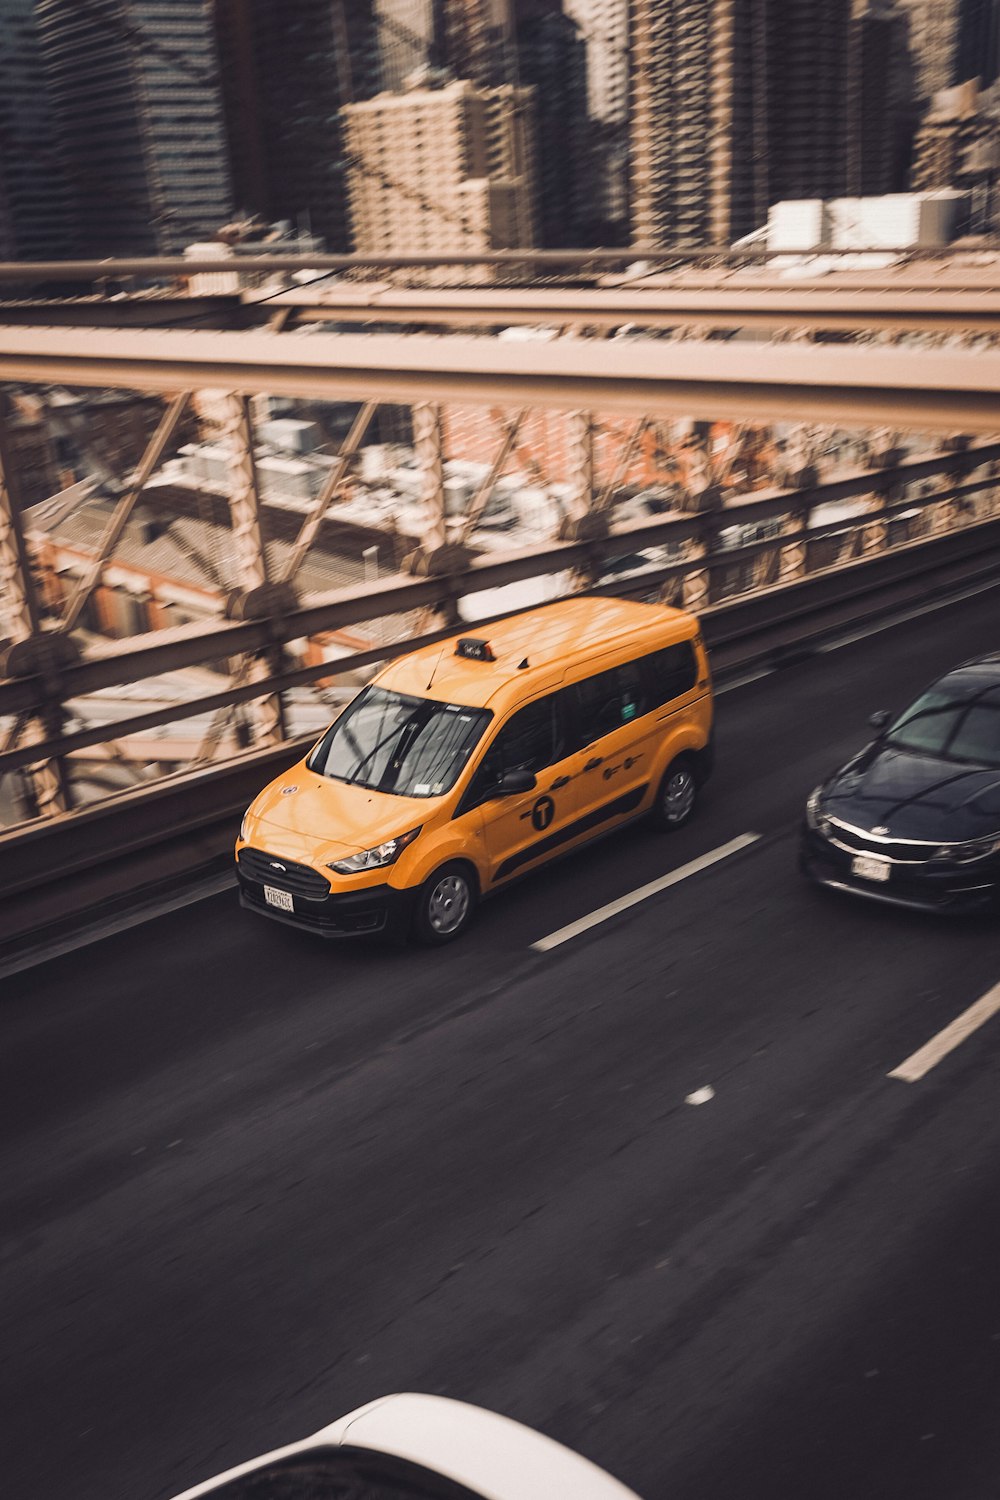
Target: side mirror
<point>514,782</point>
<point>880,719</point>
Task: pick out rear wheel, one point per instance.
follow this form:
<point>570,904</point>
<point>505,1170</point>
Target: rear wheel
<point>676,796</point>
<point>444,906</point>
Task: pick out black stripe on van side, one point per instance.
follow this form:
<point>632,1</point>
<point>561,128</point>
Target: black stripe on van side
<point>627,803</point>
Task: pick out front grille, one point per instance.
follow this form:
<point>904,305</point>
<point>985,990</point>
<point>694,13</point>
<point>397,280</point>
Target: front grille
<point>857,841</point>
<point>300,880</point>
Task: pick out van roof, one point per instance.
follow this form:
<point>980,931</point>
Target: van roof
<point>549,638</point>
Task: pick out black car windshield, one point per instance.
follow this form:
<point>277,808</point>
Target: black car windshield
<point>414,747</point>
<point>952,723</point>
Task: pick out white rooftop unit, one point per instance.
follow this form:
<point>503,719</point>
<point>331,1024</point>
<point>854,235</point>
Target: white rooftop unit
<point>290,435</point>
<point>893,221</point>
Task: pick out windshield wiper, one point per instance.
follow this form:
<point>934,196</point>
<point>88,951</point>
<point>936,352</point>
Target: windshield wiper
<point>394,733</point>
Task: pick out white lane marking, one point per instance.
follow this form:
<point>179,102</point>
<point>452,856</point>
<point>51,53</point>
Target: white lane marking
<point>915,1067</point>
<point>96,934</point>
<point>851,637</point>
<point>901,618</point>
<point>603,913</point>
<point>700,1096</point>
<point>744,680</point>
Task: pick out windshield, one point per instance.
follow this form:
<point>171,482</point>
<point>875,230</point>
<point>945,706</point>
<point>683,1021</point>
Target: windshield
<point>391,743</point>
<point>952,724</point>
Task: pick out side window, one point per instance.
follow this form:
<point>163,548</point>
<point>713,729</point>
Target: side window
<point>609,700</point>
<point>671,672</point>
<point>530,741</point>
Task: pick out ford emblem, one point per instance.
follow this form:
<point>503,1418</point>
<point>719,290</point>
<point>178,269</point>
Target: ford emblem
<point>286,791</point>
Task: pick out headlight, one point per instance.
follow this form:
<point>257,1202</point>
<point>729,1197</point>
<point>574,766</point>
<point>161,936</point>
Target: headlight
<point>814,817</point>
<point>374,859</point>
<point>244,832</point>
<point>963,854</point>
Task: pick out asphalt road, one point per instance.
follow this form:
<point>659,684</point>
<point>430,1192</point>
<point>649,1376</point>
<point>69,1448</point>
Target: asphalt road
<point>249,1181</point>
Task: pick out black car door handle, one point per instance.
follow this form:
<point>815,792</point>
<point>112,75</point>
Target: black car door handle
<point>593,764</point>
<point>559,781</point>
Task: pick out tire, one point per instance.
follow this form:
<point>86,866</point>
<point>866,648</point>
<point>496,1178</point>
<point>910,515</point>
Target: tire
<point>445,906</point>
<point>675,796</point>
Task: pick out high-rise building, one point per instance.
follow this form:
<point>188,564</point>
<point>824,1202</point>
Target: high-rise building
<point>35,218</point>
<point>440,169</point>
<point>978,46</point>
<point>135,93</point>
<point>737,104</point>
<point>288,67</point>
<point>551,59</point>
<point>933,38</point>
<point>603,26</point>
<point>409,35</point>
<point>882,100</point>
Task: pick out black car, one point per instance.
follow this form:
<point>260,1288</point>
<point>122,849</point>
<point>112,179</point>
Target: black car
<point>914,819</point>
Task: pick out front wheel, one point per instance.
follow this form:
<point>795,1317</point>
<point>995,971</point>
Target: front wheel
<point>444,906</point>
<point>676,797</point>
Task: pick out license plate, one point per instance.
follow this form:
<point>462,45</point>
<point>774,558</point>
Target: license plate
<point>870,868</point>
<point>281,899</point>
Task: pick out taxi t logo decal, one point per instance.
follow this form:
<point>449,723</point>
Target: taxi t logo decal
<point>542,813</point>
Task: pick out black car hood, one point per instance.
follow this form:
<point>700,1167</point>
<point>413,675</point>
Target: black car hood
<point>914,796</point>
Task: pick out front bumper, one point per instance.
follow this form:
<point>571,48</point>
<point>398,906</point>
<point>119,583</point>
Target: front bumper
<point>341,914</point>
<point>923,887</point>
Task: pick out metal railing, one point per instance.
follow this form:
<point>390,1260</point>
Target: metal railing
<point>706,568</point>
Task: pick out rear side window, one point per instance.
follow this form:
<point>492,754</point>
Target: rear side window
<point>671,672</point>
<point>604,703</point>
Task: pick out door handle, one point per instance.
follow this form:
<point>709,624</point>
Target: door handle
<point>559,781</point>
<point>592,765</point>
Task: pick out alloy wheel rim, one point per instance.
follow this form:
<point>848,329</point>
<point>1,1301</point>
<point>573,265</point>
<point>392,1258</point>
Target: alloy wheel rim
<point>449,904</point>
<point>678,797</point>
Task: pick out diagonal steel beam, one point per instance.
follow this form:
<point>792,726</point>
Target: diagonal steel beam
<point>625,458</point>
<point>168,425</point>
<point>314,520</point>
<point>19,617</point>
<point>480,499</point>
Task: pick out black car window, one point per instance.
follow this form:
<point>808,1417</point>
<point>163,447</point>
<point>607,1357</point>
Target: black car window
<point>607,701</point>
<point>977,735</point>
<point>530,741</point>
<point>928,724</point>
<point>671,672</point>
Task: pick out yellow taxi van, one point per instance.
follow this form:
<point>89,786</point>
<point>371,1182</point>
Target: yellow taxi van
<point>478,759</point>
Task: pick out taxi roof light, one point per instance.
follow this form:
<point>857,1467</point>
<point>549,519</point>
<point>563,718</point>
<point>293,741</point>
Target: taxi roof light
<point>474,648</point>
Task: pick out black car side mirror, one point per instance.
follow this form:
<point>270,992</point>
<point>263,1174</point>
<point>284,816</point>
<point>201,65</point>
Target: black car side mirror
<point>515,781</point>
<point>880,719</point>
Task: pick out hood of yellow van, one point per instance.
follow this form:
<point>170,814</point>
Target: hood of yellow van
<point>323,815</point>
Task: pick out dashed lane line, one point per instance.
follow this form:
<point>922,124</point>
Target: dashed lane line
<point>920,1063</point>
<point>643,892</point>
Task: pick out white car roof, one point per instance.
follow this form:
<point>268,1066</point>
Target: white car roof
<point>491,1455</point>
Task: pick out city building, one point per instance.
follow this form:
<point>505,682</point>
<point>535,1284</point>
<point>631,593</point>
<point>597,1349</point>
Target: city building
<point>287,69</point>
<point>35,212</point>
<point>551,59</point>
<point>977,52</point>
<point>737,104</point>
<point>933,39</point>
<point>135,97</point>
<point>438,169</point>
<point>603,25</point>
<point>882,102</point>
<point>958,146</point>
